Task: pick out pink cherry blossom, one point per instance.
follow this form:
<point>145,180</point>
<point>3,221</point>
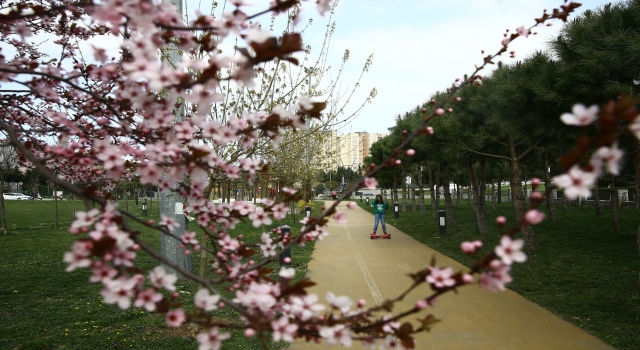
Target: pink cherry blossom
<point>175,318</point>
<point>522,31</point>
<point>305,307</point>
<point>287,273</point>
<point>259,217</point>
<point>580,115</point>
<point>168,222</point>
<point>370,183</point>
<point>204,301</point>
<point>340,218</point>
<point>634,127</point>
<point>501,220</point>
<point>511,250</point>
<point>118,291</point>
<point>343,303</point>
<point>495,280</point>
<point>283,330</point>
<point>441,278</point>
<point>211,339</point>
<point>338,334</point>
<point>323,6</point>
<point>148,299</point>
<point>611,156</point>
<point>468,247</point>
<point>352,205</point>
<point>575,183</point>
<point>160,279</point>
<point>534,217</point>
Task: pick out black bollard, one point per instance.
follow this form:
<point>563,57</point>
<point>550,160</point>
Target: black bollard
<point>144,207</point>
<point>367,200</point>
<point>285,230</point>
<point>442,227</point>
<point>307,210</point>
<point>396,209</point>
<point>360,199</point>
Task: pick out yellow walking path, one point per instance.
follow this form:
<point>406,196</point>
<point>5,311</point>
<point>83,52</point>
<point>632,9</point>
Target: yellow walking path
<point>348,263</point>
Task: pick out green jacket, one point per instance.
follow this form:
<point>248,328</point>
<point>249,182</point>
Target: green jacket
<point>379,208</point>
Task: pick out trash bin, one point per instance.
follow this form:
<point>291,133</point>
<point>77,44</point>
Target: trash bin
<point>286,253</point>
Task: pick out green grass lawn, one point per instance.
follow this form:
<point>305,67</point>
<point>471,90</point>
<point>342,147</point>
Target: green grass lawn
<point>583,272</point>
<point>44,307</point>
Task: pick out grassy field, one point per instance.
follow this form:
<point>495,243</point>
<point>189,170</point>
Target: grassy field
<point>583,272</point>
<point>43,307</point>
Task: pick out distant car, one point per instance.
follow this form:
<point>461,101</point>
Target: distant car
<point>16,196</point>
<point>368,194</point>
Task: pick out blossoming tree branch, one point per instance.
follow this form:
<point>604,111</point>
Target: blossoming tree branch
<point>87,123</point>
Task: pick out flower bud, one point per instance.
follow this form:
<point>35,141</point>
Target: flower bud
<point>501,220</point>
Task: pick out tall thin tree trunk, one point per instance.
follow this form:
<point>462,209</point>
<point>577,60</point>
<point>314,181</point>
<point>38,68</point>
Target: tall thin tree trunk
<point>4,214</point>
<point>483,186</point>
<point>403,206</point>
<point>596,198</point>
<point>500,190</point>
<point>412,189</point>
<point>55,198</point>
<point>432,193</point>
<point>614,206</point>
<point>518,198</point>
<point>638,241</point>
<point>438,183</point>
<point>636,161</point>
<point>421,198</point>
<point>493,194</point>
<point>458,193</point>
<point>448,203</point>
<point>126,199</point>
<point>481,217</point>
<point>551,204</point>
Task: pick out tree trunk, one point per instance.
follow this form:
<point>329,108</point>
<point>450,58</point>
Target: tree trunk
<point>403,182</point>
<point>518,199</point>
<point>126,199</point>
<point>551,203</point>
<point>636,161</point>
<point>493,194</point>
<point>458,194</point>
<point>55,198</point>
<point>500,190</point>
<point>438,184</point>
<point>596,198</point>
<point>448,203</point>
<point>483,187</point>
<point>638,241</point>
<point>481,217</point>
<point>4,214</point>
<point>565,204</point>
<point>432,193</point>
<point>614,206</point>
<point>413,189</point>
<point>421,198</point>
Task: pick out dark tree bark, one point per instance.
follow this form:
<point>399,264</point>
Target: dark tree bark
<point>432,193</point>
<point>636,161</point>
<point>403,182</point>
<point>551,204</point>
<point>412,189</point>
<point>448,203</point>
<point>438,183</point>
<point>481,217</point>
<point>519,204</point>
<point>614,206</point>
<point>493,194</point>
<point>596,199</point>
<point>4,214</point>
<point>421,198</point>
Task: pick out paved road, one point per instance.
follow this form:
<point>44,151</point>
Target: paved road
<point>347,262</point>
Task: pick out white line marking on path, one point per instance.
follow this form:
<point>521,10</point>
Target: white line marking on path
<point>404,266</point>
<point>377,297</point>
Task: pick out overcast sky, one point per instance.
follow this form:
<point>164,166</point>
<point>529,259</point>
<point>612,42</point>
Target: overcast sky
<point>421,46</point>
